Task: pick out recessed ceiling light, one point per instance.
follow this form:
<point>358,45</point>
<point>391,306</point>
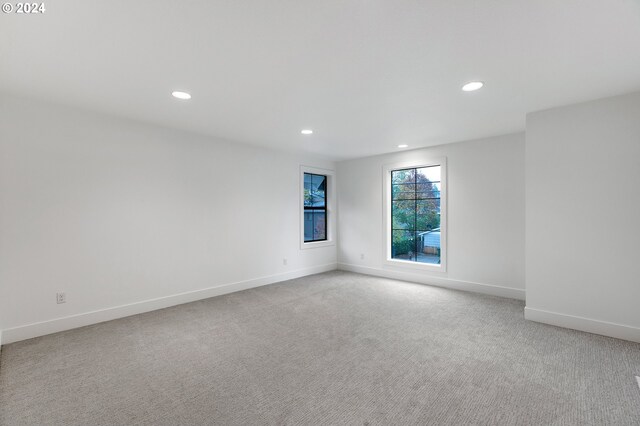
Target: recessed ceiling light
<point>307,132</point>
<point>403,146</point>
<point>472,85</point>
<point>181,95</point>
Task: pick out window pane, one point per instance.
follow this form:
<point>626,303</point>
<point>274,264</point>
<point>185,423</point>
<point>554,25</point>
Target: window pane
<point>431,174</point>
<point>307,190</point>
<point>319,230</point>
<point>427,215</point>
<point>404,191</point>
<point>318,182</point>
<point>317,200</point>
<point>403,176</point>
<point>428,244</point>
<point>308,226</point>
<point>427,186</point>
<point>317,190</point>
<point>403,245</point>
<point>403,214</point>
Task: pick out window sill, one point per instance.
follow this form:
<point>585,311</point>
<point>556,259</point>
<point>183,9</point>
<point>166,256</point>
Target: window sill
<point>316,244</point>
<point>407,264</point>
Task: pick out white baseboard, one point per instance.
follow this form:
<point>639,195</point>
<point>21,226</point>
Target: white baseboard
<point>604,328</point>
<point>29,331</point>
<point>493,290</point>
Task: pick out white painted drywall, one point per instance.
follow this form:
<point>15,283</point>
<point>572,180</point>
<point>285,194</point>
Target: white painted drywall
<point>583,211</point>
<point>485,215</point>
<point>115,212</point>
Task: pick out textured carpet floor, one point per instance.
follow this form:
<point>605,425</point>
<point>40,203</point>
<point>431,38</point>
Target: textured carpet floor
<point>334,348</point>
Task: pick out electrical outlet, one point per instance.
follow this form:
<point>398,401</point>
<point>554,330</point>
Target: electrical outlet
<point>61,298</point>
<point>284,262</point>
<point>361,256</point>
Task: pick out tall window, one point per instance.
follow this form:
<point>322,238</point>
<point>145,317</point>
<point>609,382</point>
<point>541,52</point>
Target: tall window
<point>315,207</point>
<point>415,224</point>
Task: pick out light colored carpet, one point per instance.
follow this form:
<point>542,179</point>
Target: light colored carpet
<point>334,348</point>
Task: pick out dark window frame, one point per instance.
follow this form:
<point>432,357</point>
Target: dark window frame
<point>318,208</point>
<point>416,198</point>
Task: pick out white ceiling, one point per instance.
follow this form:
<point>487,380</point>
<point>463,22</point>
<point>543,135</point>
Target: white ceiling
<point>365,75</point>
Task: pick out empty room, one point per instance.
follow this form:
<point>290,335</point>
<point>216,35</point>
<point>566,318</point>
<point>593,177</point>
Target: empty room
<point>336,212</point>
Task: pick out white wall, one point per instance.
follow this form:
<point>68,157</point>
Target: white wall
<point>583,216</point>
<point>115,212</point>
<point>485,215</point>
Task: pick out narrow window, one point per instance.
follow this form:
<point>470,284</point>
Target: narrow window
<point>315,207</point>
<point>416,215</point>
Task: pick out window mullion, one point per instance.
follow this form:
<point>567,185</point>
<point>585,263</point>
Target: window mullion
<point>415,213</point>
